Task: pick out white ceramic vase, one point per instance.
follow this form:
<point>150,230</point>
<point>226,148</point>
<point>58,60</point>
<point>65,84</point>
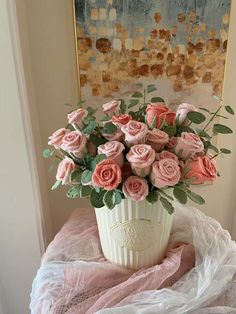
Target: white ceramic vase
<point>134,234</point>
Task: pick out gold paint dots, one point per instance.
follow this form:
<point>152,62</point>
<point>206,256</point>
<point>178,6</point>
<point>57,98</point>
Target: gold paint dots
<point>225,19</point>
<point>129,43</point>
<point>102,14</point>
<point>181,17</point>
<point>94,14</point>
<point>203,27</point>
<point>138,43</point>
<point>102,31</point>
<point>192,16</point>
<point>157,17</point>
<point>117,44</point>
<point>109,2</point>
<point>92,29</point>
<point>112,14</point>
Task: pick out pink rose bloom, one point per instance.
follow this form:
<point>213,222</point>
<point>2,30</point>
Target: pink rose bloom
<point>113,150</point>
<point>165,172</point>
<point>56,138</point>
<point>135,188</point>
<point>141,157</point>
<point>166,154</point>
<point>65,167</point>
<point>203,169</point>
<point>121,118</point>
<point>172,143</point>
<point>161,113</point>
<point>157,139</point>
<point>77,117</point>
<point>182,111</point>
<point>118,136</point>
<point>135,132</point>
<point>111,107</point>
<point>75,142</point>
<point>107,175</point>
<point>188,144</point>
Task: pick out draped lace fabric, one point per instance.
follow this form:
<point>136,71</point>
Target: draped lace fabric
<point>74,277</point>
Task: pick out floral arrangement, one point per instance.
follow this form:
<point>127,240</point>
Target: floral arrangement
<point>142,154</point>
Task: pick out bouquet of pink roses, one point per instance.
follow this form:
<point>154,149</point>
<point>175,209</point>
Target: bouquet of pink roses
<point>139,155</point>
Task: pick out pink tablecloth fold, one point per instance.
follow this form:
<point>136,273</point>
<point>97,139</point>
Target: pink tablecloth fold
<point>75,278</point>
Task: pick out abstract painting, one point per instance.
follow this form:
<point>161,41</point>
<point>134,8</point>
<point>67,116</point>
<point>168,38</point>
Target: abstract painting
<point>177,45</point>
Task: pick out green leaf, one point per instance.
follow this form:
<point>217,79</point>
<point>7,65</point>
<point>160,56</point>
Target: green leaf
<point>74,191</point>
<point>118,197</point>
<point>86,177</point>
<point>133,102</point>
<point>167,205</point>
<point>195,197</point>
<point>96,198</point>
<point>180,195</point>
<point>152,197</point>
<point>220,116</point>
<point>92,164</point>
<point>151,88</point>
<point>137,95</point>
<point>100,157</point>
<point>90,127</point>
<point>109,128</point>
<point>91,110</point>
<point>157,99</point>
<point>47,153</point>
<point>97,140</point>
<point>105,118</point>
<point>85,191</point>
<point>70,127</point>
<point>202,133</point>
<point>109,199</point>
<point>76,175</point>
<point>122,106</point>
<point>170,130</point>
<point>214,148</point>
<point>220,128</point>
<point>88,119</point>
<point>225,151</point>
<point>80,103</point>
<point>56,185</point>
<point>205,109</point>
<point>196,117</point>
<point>229,109</point>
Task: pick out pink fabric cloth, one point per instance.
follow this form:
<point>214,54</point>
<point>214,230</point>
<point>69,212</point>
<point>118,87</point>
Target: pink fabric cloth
<point>75,278</point>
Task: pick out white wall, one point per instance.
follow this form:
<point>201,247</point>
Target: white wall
<point>21,237</point>
<point>51,38</point>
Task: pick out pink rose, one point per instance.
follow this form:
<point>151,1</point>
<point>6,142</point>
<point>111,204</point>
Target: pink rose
<point>135,132</point>
<point>157,139</point>
<point>65,167</point>
<point>182,111</point>
<point>111,107</point>
<point>166,154</point>
<point>121,118</point>
<point>172,143</point>
<point>202,169</point>
<point>188,144</point>
<point>160,113</point>
<point>113,150</point>
<point>117,136</point>
<point>135,188</point>
<point>75,142</point>
<point>165,172</point>
<point>141,158</point>
<point>56,138</point>
<point>77,117</point>
<point>107,175</point>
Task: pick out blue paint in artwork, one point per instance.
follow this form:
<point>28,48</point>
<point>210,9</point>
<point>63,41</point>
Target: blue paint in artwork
<point>140,13</point>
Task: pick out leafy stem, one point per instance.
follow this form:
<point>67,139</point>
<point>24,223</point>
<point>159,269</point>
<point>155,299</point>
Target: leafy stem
<point>212,118</point>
